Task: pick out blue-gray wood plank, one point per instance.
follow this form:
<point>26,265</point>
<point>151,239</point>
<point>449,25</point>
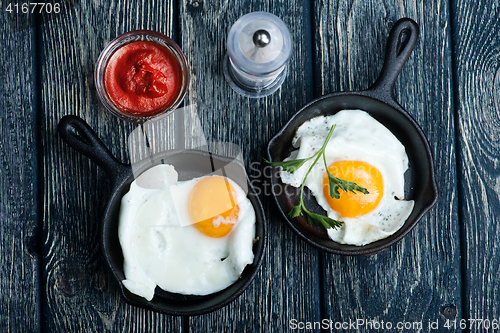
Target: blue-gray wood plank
<point>19,276</point>
<point>476,49</point>
<point>445,268</point>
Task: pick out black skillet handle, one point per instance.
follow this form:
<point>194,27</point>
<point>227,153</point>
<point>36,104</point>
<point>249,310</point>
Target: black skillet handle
<point>78,134</point>
<point>402,40</point>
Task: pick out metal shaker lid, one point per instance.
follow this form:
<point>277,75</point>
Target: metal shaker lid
<point>259,43</point>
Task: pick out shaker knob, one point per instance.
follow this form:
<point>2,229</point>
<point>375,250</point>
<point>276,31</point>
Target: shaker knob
<point>261,38</point>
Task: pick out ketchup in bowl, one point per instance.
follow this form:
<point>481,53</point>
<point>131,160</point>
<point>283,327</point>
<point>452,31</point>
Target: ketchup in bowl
<point>141,75</point>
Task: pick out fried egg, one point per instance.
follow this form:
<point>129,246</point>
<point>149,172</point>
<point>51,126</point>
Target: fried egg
<point>363,151</point>
<point>189,237</point>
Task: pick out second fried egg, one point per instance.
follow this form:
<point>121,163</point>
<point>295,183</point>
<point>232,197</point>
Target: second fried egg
<point>363,151</point>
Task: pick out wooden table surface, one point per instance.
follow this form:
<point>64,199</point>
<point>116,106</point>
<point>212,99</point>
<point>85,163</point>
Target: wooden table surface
<point>53,276</point>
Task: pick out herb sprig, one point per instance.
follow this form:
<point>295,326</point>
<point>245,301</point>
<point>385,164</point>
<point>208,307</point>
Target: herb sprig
<point>335,183</point>
<point>344,185</point>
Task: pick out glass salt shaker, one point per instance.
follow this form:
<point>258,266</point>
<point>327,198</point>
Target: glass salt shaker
<point>258,49</point>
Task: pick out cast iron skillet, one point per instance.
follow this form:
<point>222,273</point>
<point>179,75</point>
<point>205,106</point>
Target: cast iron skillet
<point>81,137</point>
<point>380,103</point>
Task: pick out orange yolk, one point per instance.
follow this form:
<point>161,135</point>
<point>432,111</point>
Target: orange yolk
<point>355,204</point>
<point>211,200</point>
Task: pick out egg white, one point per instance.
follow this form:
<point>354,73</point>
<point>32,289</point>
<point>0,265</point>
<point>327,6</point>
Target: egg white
<point>160,248</point>
<point>357,137</point>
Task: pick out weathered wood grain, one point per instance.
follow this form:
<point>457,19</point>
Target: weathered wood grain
<point>19,276</point>
<point>80,294</point>
<point>476,46</point>
<point>287,286</point>
<point>419,279</point>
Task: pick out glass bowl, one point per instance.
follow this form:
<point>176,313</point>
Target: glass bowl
<point>134,36</point>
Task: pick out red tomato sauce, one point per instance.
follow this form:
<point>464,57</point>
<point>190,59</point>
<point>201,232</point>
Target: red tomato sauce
<point>143,78</point>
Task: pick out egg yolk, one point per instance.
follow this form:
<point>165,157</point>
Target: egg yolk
<point>363,174</point>
<point>212,206</point>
